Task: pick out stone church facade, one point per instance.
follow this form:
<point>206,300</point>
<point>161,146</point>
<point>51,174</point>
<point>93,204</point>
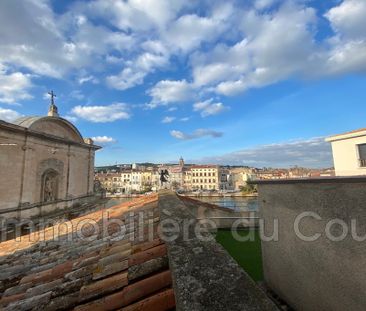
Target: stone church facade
<point>46,165</point>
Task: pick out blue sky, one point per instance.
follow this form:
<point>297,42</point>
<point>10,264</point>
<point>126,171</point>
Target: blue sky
<point>234,82</point>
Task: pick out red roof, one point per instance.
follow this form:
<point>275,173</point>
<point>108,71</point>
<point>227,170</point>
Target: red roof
<point>101,273</point>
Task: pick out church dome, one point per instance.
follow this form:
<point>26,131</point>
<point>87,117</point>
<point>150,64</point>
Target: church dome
<point>54,126</point>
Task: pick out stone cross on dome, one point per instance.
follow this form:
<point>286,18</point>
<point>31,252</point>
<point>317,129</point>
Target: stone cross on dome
<point>52,110</point>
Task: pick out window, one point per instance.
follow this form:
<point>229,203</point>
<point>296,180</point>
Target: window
<point>362,154</point>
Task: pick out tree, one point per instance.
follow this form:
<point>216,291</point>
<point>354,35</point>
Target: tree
<point>248,189</point>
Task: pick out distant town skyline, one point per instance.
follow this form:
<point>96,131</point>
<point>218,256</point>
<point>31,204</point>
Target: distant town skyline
<point>260,83</point>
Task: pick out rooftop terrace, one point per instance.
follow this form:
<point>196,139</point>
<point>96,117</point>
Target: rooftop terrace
<point>116,259</point>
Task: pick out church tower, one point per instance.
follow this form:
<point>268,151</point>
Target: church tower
<point>181,162</point>
<point>52,110</point>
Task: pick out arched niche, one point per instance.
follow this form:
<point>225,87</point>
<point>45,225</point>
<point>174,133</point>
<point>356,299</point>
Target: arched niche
<point>50,180</point>
<point>50,186</point>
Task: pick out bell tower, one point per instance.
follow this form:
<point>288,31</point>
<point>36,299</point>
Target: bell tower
<point>181,162</point>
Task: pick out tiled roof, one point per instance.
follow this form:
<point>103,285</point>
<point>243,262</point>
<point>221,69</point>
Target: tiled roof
<point>105,271</point>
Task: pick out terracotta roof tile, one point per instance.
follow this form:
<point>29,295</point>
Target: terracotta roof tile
<point>103,272</point>
<point>48,275</point>
<point>130,294</point>
<point>104,286</point>
<point>151,253</point>
<point>164,300</point>
<point>8,299</point>
<point>146,245</point>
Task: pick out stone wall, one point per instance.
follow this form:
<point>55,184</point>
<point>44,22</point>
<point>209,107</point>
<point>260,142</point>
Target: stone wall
<point>323,274</point>
<point>205,276</point>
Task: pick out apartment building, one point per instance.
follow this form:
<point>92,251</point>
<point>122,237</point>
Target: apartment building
<point>241,176</point>
<point>128,181</point>
<point>349,153</point>
<point>205,177</point>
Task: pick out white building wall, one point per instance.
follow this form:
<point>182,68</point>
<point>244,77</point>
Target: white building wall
<point>346,157</point>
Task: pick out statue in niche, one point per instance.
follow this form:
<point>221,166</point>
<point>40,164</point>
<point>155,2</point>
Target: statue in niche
<point>50,187</point>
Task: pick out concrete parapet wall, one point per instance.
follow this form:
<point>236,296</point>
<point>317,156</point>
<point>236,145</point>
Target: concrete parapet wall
<point>223,218</point>
<point>323,274</point>
<point>205,276</point>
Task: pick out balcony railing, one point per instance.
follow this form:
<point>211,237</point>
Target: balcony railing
<point>362,162</point>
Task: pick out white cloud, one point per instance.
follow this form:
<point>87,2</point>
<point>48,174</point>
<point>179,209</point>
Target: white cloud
<point>136,70</point>
<point>51,44</point>
<point>126,79</point>
<point>263,4</point>
<point>208,108</point>
<point>228,47</point>
<point>89,78</point>
<point>189,31</point>
<point>168,120</point>
<point>14,86</point>
<point>218,71</point>
<point>184,119</point>
<point>72,119</point>
<point>137,15</point>
<point>230,88</point>
<point>77,94</point>
<point>265,56</point>
<point>348,19</point>
<point>168,91</point>
<point>103,140</point>
<point>199,133</point>
<point>102,113</point>
<point>347,48</point>
<point>9,115</point>
<point>313,152</point>
<point>346,57</point>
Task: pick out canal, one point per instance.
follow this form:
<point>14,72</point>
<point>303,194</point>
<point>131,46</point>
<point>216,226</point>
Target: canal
<point>235,203</point>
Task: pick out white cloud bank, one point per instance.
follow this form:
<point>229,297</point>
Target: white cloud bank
<point>166,92</point>
<point>313,152</point>
<point>14,86</point>
<point>199,133</point>
<point>100,114</point>
<point>9,115</point>
<point>225,48</point>
<point>103,140</point>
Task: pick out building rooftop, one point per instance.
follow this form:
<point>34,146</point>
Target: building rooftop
<point>115,259</point>
<point>346,135</point>
<point>204,166</point>
<point>103,270</point>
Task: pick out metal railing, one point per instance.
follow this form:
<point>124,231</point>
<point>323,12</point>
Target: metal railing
<point>362,162</point>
